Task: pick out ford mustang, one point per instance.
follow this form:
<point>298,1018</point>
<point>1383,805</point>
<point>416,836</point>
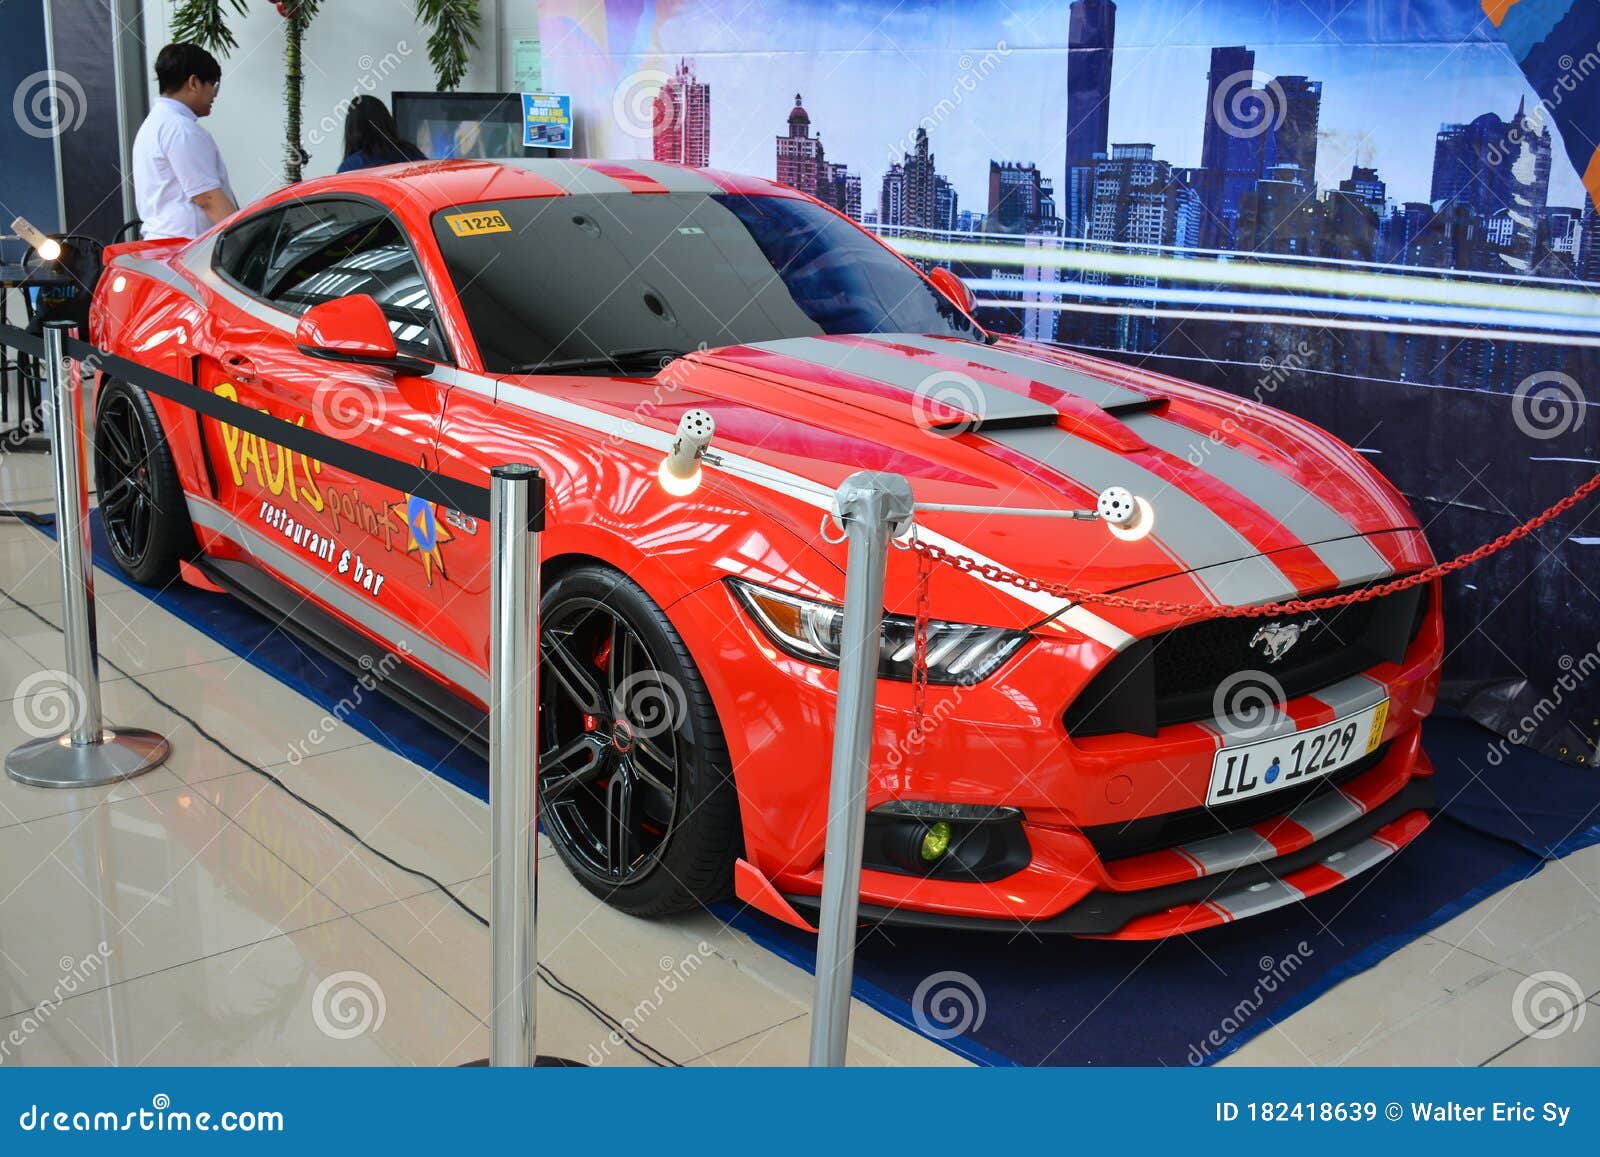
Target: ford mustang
<point>1075,767</point>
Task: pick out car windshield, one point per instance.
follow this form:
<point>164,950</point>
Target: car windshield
<point>574,279</point>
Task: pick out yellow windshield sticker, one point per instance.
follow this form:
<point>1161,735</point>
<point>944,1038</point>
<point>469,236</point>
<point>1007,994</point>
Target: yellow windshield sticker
<point>476,224</point>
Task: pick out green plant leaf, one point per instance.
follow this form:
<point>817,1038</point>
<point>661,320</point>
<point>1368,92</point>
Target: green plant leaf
<point>453,33</point>
<point>204,22</point>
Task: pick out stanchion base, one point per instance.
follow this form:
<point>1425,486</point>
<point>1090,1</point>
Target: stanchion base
<point>541,1062</point>
<point>122,753</point>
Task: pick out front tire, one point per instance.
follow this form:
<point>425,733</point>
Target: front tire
<point>142,509</point>
<point>635,785</point>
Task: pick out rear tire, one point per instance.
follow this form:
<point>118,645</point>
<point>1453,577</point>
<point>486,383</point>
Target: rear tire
<point>636,787</point>
<point>142,508</point>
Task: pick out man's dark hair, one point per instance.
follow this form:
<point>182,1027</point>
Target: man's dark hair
<point>176,63</point>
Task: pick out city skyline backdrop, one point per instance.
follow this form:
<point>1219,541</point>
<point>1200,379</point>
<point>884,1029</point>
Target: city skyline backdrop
<point>1382,106</point>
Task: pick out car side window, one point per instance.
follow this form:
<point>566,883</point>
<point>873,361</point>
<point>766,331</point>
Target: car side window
<point>243,253</point>
<point>317,251</point>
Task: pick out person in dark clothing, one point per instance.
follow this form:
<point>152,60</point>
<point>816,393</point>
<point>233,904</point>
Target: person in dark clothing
<point>371,138</point>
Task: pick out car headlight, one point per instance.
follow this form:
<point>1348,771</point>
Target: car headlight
<point>811,630</point>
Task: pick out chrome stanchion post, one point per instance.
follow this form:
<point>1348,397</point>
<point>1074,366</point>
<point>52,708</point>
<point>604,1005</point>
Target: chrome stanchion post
<point>872,508</point>
<point>89,754</point>
<point>516,516</point>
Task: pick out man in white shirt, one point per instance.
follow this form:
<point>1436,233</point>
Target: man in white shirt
<point>179,181</point>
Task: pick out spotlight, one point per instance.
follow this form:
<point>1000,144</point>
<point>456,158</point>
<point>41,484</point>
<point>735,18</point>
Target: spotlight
<point>1128,517</point>
<point>48,248</point>
<point>679,473</point>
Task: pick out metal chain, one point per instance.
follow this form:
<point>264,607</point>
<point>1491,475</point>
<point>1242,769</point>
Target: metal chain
<point>928,553</point>
<point>919,662</point>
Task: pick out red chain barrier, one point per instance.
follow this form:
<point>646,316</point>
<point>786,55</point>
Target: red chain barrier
<point>1209,610</point>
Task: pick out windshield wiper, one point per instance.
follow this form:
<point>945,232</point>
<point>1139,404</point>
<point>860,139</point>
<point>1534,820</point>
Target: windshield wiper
<point>655,358</point>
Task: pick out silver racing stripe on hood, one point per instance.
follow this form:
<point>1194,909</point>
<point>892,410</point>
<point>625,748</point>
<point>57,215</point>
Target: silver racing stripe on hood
<point>1328,534</point>
<point>924,385</point>
<point>1195,535</point>
<point>1063,378</point>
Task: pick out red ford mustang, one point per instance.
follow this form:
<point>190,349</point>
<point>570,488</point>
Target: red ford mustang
<point>1078,769</point>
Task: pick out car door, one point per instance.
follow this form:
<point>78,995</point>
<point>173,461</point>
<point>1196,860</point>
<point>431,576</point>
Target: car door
<point>370,554</point>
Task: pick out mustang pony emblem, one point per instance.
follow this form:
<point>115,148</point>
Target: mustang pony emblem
<point>1275,639</point>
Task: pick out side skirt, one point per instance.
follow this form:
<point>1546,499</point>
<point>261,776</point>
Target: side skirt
<point>351,650</point>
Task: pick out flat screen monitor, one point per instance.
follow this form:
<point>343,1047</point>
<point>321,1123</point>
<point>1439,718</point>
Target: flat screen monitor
<point>463,124</point>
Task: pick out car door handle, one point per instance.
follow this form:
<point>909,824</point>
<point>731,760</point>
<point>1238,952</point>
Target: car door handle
<point>242,369</point>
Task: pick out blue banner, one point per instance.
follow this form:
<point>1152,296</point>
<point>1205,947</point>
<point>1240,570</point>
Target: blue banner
<point>775,1111</point>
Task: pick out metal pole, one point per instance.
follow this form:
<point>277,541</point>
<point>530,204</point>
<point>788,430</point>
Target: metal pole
<point>516,515</point>
<point>89,754</point>
<point>67,444</point>
<point>872,508</point>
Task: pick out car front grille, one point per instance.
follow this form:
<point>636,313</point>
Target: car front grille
<point>1174,677</point>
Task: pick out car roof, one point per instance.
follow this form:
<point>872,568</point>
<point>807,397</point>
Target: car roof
<point>426,186</point>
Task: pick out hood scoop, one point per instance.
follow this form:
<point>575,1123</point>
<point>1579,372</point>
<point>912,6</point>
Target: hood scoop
<point>949,385</point>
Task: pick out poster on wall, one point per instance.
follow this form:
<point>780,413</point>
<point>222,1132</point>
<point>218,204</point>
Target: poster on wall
<point>1380,215</point>
<point>546,120</point>
<point>527,69</point>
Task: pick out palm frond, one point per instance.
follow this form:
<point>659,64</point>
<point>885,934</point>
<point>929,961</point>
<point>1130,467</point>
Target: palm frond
<point>453,28</point>
<point>203,22</point>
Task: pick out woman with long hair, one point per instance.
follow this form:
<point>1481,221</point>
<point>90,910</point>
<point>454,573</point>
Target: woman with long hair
<point>371,138</point>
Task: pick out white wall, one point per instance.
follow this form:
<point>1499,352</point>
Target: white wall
<point>353,46</point>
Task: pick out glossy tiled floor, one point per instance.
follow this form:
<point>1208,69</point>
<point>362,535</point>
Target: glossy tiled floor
<point>200,914</point>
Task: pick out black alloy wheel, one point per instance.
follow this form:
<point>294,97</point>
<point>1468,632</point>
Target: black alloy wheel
<point>634,786</point>
<point>142,508</point>
<point>122,468</point>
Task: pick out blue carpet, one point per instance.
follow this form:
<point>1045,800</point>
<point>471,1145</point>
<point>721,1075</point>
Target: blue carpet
<point>1058,1001</point>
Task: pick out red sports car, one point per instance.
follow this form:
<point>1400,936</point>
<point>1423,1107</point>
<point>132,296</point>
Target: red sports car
<point>1078,769</point>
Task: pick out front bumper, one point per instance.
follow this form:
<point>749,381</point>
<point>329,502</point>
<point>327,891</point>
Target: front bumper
<point>1206,901</point>
<point>1119,841</point>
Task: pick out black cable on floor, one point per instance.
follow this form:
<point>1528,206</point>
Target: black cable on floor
<point>31,517</point>
<point>645,1050</point>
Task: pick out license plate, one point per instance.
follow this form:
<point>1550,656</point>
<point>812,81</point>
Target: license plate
<point>1269,765</point>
